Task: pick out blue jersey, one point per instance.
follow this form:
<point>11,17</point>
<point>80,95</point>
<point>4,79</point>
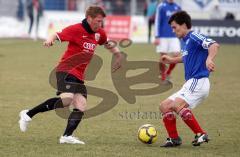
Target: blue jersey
<point>195,53</point>
<point>163,13</point>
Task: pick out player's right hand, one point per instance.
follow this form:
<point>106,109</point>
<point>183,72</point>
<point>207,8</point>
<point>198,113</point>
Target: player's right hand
<point>166,59</point>
<point>118,62</point>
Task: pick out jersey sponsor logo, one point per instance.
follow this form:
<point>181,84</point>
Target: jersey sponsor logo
<point>89,46</point>
<point>84,36</point>
<point>97,36</point>
<point>184,52</point>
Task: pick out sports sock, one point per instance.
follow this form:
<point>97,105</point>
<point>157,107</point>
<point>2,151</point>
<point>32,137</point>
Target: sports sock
<point>170,68</point>
<point>73,121</point>
<point>189,119</point>
<point>48,105</point>
<point>169,120</point>
<point>162,69</point>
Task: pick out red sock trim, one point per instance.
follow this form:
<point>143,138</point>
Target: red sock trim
<point>189,119</point>
<point>169,120</point>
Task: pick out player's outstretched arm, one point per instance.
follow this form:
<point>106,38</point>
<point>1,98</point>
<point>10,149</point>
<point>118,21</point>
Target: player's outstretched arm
<point>117,56</point>
<point>212,52</point>
<point>168,59</point>
<point>50,41</point>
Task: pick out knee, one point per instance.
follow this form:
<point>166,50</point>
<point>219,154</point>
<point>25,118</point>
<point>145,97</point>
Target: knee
<point>165,106</point>
<point>80,104</point>
<point>67,101</point>
<point>178,107</point>
<point>67,98</point>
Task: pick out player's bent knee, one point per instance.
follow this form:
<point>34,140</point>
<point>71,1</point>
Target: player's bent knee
<point>165,106</point>
<point>178,105</point>
<point>80,106</point>
<point>79,102</point>
<point>162,108</point>
<point>67,98</point>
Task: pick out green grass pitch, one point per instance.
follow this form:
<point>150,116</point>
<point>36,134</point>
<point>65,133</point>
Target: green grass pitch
<point>24,69</point>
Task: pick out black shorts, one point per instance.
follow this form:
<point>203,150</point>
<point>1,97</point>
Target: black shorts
<point>70,84</point>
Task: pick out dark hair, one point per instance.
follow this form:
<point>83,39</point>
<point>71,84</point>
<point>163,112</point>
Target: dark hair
<point>180,18</point>
<point>93,11</point>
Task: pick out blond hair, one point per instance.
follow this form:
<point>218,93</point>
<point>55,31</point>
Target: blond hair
<point>93,11</point>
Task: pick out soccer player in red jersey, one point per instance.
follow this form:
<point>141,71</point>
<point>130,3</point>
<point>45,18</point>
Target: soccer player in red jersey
<point>82,40</point>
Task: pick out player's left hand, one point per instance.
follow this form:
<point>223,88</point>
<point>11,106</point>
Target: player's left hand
<point>48,43</point>
<point>210,65</point>
<point>117,62</point>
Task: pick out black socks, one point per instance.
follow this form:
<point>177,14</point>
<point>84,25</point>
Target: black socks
<point>48,105</point>
<point>53,103</point>
<point>73,121</point>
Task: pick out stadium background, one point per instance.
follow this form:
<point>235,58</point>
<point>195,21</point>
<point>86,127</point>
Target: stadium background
<point>124,21</point>
<point>25,66</point>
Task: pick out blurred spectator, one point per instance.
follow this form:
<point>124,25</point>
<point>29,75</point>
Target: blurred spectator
<point>216,13</point>
<point>72,5</point>
<point>100,4</point>
<point>34,9</point>
<point>229,16</point>
<point>20,10</point>
<point>150,11</point>
<point>166,41</point>
<point>119,8</point>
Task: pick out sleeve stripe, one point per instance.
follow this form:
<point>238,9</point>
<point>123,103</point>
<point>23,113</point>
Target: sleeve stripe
<point>199,36</point>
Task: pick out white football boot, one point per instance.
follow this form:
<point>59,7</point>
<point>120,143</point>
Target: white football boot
<point>70,140</point>
<point>24,120</point>
<point>199,139</point>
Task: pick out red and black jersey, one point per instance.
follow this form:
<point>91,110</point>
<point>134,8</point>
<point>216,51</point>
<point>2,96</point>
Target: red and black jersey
<point>82,44</point>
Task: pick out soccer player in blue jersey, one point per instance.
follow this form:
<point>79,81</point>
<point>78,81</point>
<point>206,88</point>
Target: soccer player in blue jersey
<point>166,41</point>
<point>198,53</point>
